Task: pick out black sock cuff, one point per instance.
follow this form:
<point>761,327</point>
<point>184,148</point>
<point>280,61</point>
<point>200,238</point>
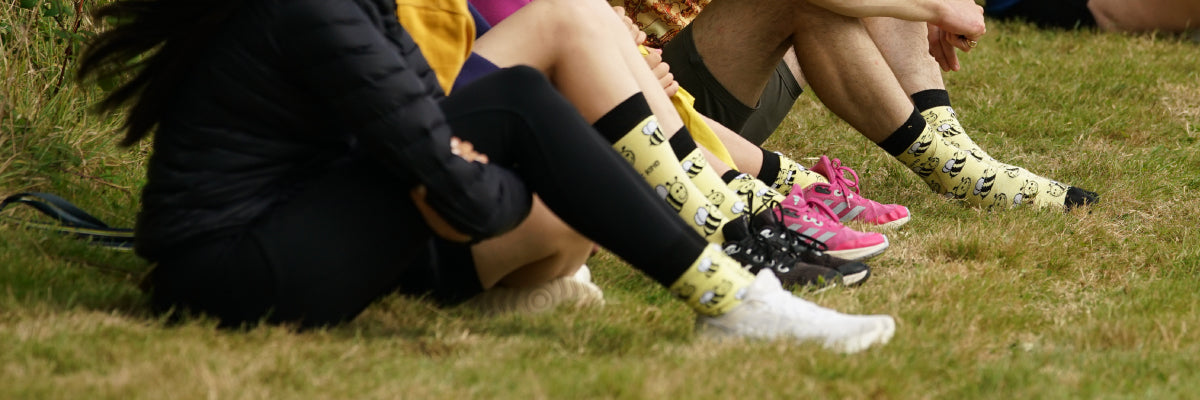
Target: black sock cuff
<point>769,170</point>
<point>615,124</point>
<point>730,175</point>
<point>682,143</point>
<point>904,136</point>
<point>931,98</point>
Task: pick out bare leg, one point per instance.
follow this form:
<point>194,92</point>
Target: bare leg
<point>904,46</point>
<point>742,42</point>
<point>540,249</point>
<point>585,50</point>
<point>746,155</point>
<point>793,64</point>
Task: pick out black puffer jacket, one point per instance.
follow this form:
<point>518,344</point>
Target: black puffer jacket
<point>288,89</point>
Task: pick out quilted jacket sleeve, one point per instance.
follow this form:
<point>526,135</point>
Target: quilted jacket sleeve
<point>339,50</point>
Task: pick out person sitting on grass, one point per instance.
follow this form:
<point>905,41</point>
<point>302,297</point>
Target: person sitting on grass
<point>304,165</point>
<point>869,62</point>
<point>586,79</point>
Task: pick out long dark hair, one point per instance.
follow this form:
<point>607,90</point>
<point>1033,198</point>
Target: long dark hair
<point>154,41</point>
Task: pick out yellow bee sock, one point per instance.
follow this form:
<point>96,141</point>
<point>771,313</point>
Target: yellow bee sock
<point>783,173</point>
<point>754,190</point>
<point>704,177</point>
<point>634,132</point>
<point>959,174</point>
<point>934,105</point>
<point>945,122</point>
<point>714,284</point>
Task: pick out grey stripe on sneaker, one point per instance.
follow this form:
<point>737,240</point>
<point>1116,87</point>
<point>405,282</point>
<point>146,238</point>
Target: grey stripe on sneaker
<point>853,213</point>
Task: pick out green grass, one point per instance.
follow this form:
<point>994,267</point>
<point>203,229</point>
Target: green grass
<point>1100,303</point>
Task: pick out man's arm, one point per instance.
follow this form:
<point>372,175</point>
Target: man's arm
<point>959,17</point>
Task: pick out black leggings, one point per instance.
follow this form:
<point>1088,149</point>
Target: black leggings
<point>349,238</point>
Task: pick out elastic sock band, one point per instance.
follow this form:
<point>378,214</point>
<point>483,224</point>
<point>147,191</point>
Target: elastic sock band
<point>682,143</point>
<point>931,98</point>
<point>905,135</point>
<point>621,119</point>
<point>769,170</point>
<point>731,175</point>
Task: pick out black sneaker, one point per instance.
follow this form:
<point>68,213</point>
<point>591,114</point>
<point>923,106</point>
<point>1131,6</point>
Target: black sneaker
<point>806,248</point>
<point>758,253</point>
<point>1080,197</point>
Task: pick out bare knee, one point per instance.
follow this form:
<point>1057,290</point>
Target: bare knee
<point>575,22</point>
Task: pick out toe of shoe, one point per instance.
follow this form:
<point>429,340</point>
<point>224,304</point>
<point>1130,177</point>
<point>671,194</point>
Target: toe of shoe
<point>854,273</point>
<point>876,330</point>
<point>860,250</point>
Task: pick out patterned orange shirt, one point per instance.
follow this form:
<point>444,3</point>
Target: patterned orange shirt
<point>661,19</point>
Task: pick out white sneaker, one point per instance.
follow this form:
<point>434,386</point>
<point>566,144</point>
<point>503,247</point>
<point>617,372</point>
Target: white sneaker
<point>577,290</point>
<point>769,312</point>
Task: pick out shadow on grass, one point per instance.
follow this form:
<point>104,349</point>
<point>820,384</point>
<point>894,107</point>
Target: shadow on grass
<point>45,271</point>
<point>614,329</point>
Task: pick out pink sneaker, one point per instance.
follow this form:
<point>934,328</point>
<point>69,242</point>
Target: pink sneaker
<point>814,219</point>
<point>842,197</point>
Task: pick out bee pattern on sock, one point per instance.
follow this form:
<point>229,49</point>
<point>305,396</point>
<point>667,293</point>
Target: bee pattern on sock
<point>704,177</point>
<point>986,183</point>
<point>934,105</point>
<point>783,173</point>
<point>634,132</point>
<point>755,190</point>
<point>714,283</point>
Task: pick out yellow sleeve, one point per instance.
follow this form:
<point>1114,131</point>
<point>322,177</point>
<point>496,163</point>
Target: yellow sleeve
<point>445,32</point>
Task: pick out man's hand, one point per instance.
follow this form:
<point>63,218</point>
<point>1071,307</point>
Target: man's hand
<point>959,26</point>
<point>960,18</point>
<point>941,47</point>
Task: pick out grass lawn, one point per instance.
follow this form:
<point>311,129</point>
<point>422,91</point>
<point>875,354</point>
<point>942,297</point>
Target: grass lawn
<point>1094,303</point>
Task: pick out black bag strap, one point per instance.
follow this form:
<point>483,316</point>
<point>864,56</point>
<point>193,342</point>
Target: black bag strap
<point>71,220</point>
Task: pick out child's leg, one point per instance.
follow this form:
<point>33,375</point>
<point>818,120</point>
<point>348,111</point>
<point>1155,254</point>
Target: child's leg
<point>594,63</point>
